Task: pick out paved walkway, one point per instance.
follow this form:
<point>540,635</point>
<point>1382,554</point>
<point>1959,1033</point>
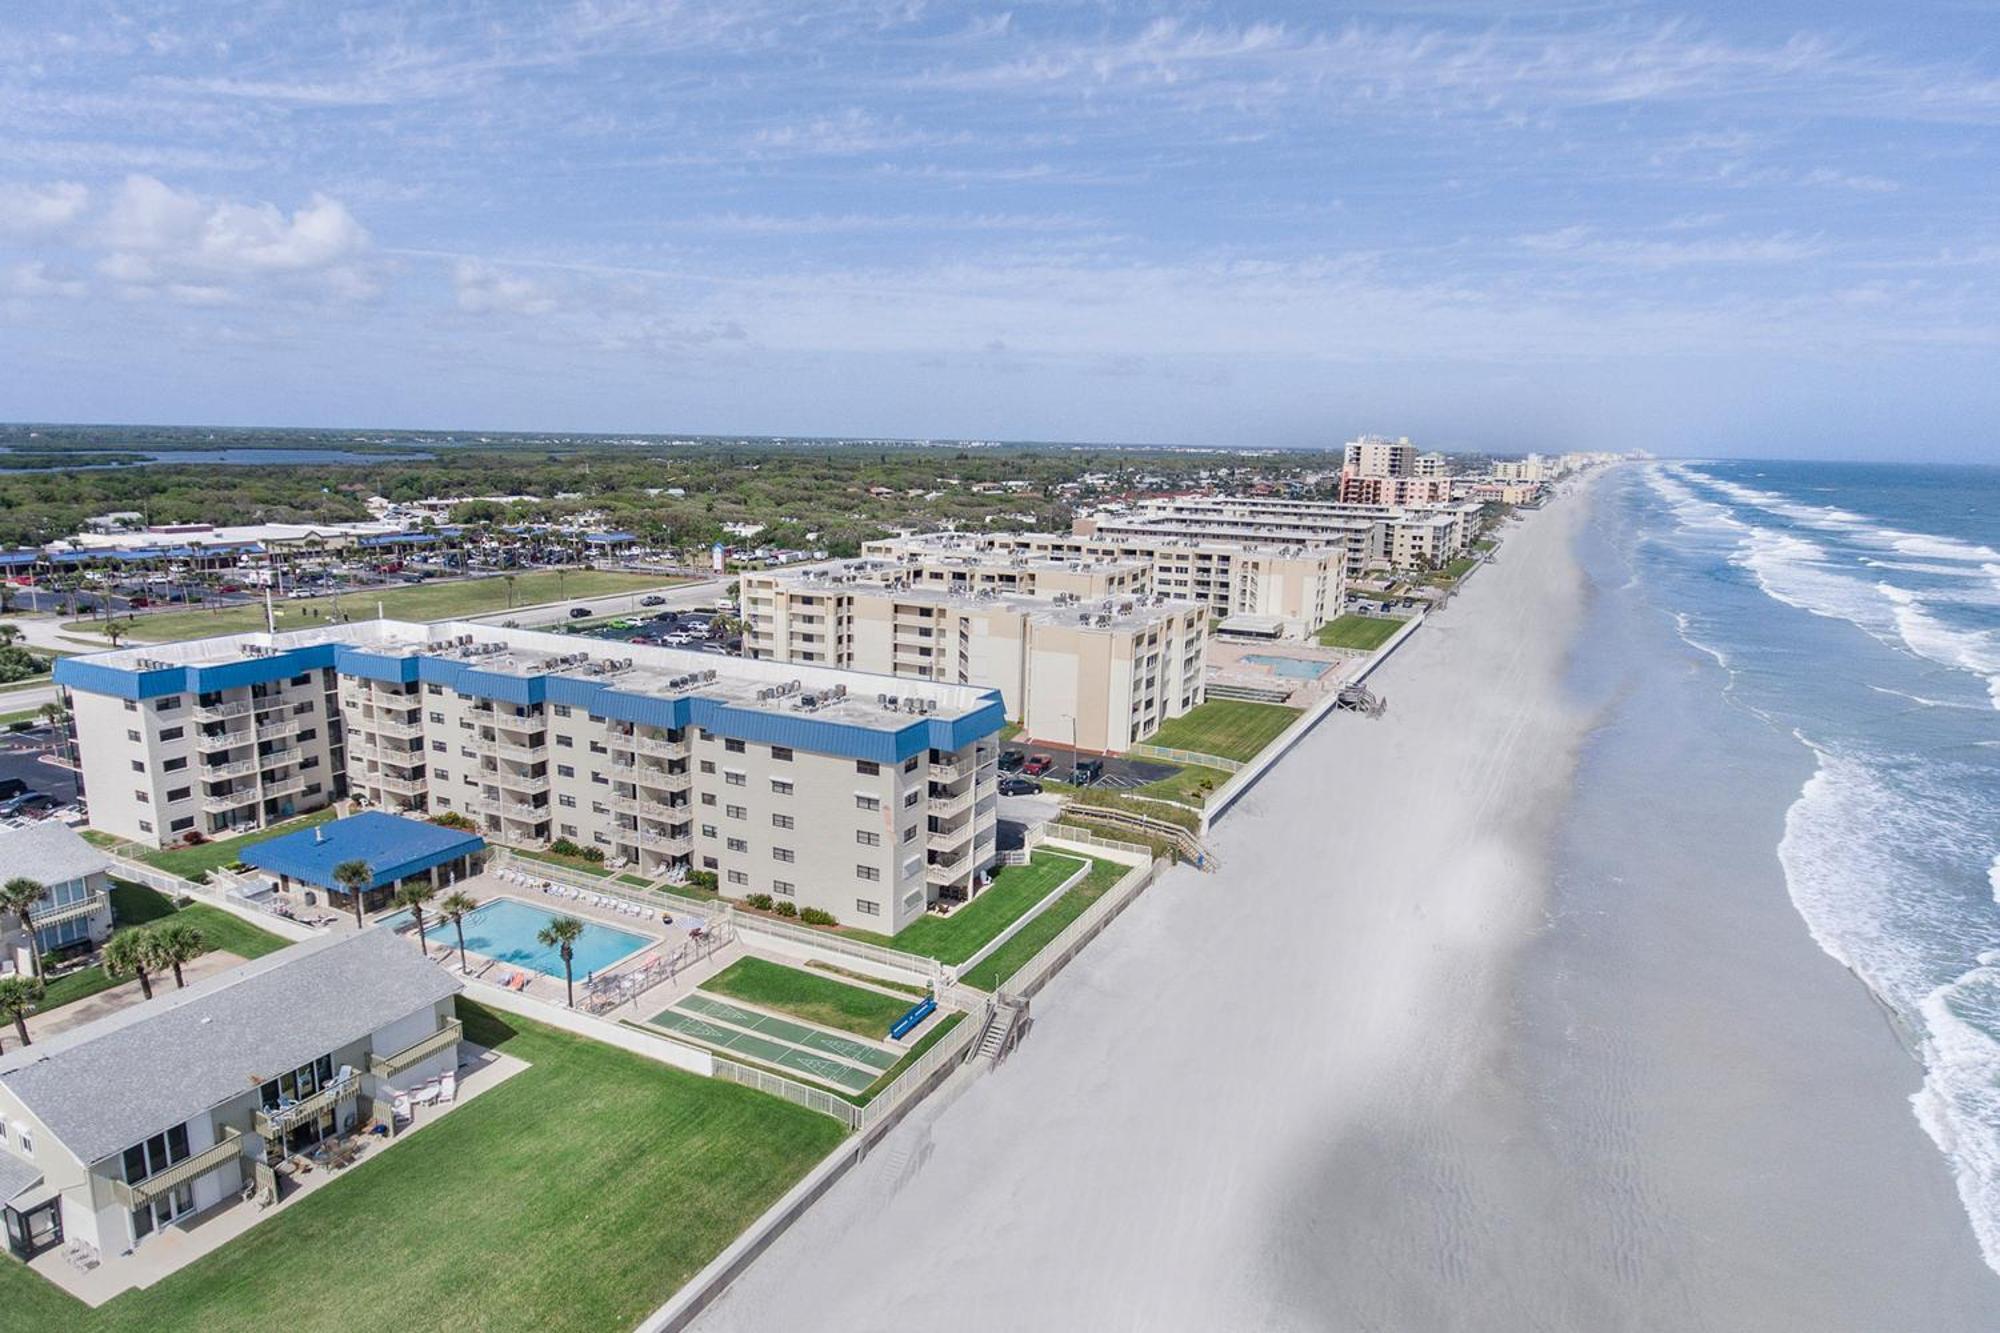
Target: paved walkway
<point>124,995</point>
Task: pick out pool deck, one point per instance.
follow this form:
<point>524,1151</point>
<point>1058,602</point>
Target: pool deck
<point>1229,664</point>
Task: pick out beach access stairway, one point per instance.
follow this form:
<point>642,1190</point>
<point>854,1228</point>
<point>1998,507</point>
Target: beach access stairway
<point>1005,1022</point>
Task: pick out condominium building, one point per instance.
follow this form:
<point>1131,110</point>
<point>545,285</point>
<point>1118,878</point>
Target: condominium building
<point>1371,534</point>
<point>1078,649</point>
<point>1379,456</point>
<point>1395,491</point>
<point>144,1120</point>
<point>868,797</point>
<point>1300,586</point>
<point>73,915</point>
<point>1432,465</point>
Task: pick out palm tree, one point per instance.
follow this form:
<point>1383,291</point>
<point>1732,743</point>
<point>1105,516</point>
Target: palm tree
<point>508,579</point>
<point>17,1000</point>
<point>114,632</point>
<point>413,894</point>
<point>131,953</point>
<point>560,934</point>
<point>8,633</point>
<point>175,943</point>
<point>453,909</point>
<point>19,896</point>
<point>355,877</point>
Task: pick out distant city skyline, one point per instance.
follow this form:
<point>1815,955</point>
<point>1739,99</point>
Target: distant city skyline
<point>1698,231</point>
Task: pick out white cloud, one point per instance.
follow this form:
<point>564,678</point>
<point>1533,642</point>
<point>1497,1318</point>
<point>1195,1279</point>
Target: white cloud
<point>1586,244</point>
<point>32,278</point>
<point>180,229</point>
<point>39,210</point>
<point>483,289</point>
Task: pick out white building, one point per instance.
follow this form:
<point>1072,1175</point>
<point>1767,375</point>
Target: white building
<point>74,915</point>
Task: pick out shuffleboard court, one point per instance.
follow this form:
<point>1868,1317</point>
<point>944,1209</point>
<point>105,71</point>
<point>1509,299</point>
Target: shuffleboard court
<point>750,1045</point>
<point>818,1039</point>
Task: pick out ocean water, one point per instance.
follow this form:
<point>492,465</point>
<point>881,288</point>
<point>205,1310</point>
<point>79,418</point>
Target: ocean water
<point>1855,611</point>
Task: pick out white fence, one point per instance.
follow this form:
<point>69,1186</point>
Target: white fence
<point>1014,927</point>
<point>229,900</point>
<point>1032,975</point>
<point>1174,756</point>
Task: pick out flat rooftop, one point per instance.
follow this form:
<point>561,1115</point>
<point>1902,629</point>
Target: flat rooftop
<point>394,847</point>
<point>892,578</point>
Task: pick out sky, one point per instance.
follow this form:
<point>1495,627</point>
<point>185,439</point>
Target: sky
<point>1763,229</point>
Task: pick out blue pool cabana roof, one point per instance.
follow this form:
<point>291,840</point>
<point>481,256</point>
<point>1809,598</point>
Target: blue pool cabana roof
<point>394,848</point>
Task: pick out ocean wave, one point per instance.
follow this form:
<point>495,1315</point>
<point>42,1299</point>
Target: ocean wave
<point>1976,651</point>
<point>1691,509</point>
<point>1921,545</point>
<point>1861,853</point>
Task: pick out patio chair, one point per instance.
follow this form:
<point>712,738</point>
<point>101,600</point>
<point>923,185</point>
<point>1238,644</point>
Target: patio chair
<point>448,1088</point>
<point>400,1107</point>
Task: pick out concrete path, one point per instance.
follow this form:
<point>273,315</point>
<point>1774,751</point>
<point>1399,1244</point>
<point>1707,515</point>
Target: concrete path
<point>123,996</point>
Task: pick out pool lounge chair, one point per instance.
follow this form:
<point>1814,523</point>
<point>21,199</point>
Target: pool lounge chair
<point>520,981</point>
<point>448,1087</point>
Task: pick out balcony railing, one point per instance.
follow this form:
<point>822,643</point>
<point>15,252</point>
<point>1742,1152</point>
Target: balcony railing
<point>941,839</point>
<point>943,874</point>
<point>666,842</point>
<point>284,726</point>
<point>281,1120</point>
<point>284,787</point>
<point>229,800</point>
<point>181,1172</point>
<point>71,911</point>
<point>401,786</point>
<point>517,781</point>
<point>221,712</point>
<point>493,745</point>
<point>284,754</point>
<point>945,771</point>
<point>660,745</point>
<point>236,768</point>
<point>388,1066</point>
<point>388,726</point>
<point>949,804</point>
<point>660,778</point>
<point>225,740</point>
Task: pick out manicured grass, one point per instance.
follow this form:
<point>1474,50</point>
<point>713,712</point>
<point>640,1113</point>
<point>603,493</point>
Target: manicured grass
<point>137,905</point>
<point>636,881</point>
<point>187,862</point>
<point>914,992</point>
<point>587,866</point>
<point>403,601</point>
<point>993,971</point>
<point>1366,633</point>
<point>1159,846</point>
<point>25,715</point>
<point>954,938</point>
<point>1229,728</point>
<point>1190,786</point>
<point>26,682</point>
<point>579,1194</point>
<point>895,1071</point>
<point>1455,571</point>
<point>822,1000</point>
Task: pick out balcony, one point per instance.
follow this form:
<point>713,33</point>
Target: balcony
<point>661,779</point>
<point>660,745</point>
<point>446,1037</point>
<point>401,786</point>
<point>671,843</point>
<point>534,814</point>
<point>951,874</point>
<point>940,839</point>
<point>389,726</point>
<point>505,749</point>
<point>226,740</point>
<point>285,754</point>
<point>281,1120</point>
<point>229,800</point>
<point>221,712</point>
<point>72,911</point>
<point>180,1173</point>
<point>944,771</point>
<point>284,787</point>
<point>284,726</point>
<point>532,784</point>
<point>235,768</point>
<point>949,804</point>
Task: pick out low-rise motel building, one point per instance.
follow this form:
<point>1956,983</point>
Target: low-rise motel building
<point>1298,586</point>
<point>1399,536</point>
<point>1081,651</point>
<point>152,1117</point>
<point>73,915</point>
<point>870,797</point>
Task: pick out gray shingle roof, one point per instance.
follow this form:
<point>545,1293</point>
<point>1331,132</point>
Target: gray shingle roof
<point>110,1084</point>
<point>16,1175</point>
<point>48,851</point>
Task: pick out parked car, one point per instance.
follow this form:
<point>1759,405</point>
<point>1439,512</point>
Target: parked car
<point>652,599</point>
<point>579,612</point>
<point>28,805</point>
<point>1010,760</point>
<point>1086,772</point>
<point>1020,787</point>
<point>1037,765</point>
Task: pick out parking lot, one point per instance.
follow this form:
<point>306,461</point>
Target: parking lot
<point>1121,772</point>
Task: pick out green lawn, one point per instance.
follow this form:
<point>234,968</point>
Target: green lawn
<point>403,601</point>
<point>1456,570</point>
<point>1190,786</point>
<point>584,864</point>
<point>1357,631</point>
<point>579,1194</point>
<point>187,862</point>
<point>25,715</point>
<point>136,905</point>
<point>1229,728</point>
<point>954,938</point>
<point>993,970</point>
<point>914,992</point>
<point>821,1000</point>
<point>1090,798</point>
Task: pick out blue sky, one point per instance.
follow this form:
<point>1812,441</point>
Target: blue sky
<point>1763,229</point>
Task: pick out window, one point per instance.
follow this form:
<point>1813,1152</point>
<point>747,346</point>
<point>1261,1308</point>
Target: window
<point>566,802</point>
<point>442,775</point>
<point>435,689</point>
<point>167,704</point>
<point>180,793</point>
<point>867,872</point>
<point>144,797</point>
<point>708,830</point>
<point>734,778</point>
<point>565,770</point>
<point>708,765</point>
<point>782,753</point>
<point>708,798</point>
<point>175,765</point>
<point>131,734</point>
<point>736,812</point>
<point>145,826</point>
<point>131,706</point>
<point>783,888</point>
<point>782,854</point>
<point>437,717</point>
<point>909,833</point>
<point>569,830</point>
<point>738,845</point>
<point>867,907</point>
<point>867,768</point>
<point>562,710</point>
<point>781,821</point>
<point>565,742</point>
<point>868,837</point>
<point>440,747</point>
<point>732,745</point>
<point>910,797</point>
<point>780,787</point>
<point>599,778</point>
<point>183,823</point>
<point>867,802</point>
<point>738,877</point>
<point>910,764</point>
<point>709,863</point>
<point>172,733</point>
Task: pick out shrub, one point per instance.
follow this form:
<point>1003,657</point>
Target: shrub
<point>195,837</point>
<point>760,901</point>
<point>703,879</point>
<point>592,854</point>
<point>814,916</point>
<point>786,909</point>
<point>453,819</point>
<point>564,847</point>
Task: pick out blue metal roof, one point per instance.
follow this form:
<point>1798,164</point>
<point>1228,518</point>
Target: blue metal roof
<point>94,677</point>
<point>610,538</point>
<point>393,847</point>
<point>15,559</point>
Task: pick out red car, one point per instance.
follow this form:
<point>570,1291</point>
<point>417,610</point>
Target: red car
<point>1037,765</point>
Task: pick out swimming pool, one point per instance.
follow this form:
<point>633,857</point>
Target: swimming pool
<point>1299,668</point>
<point>504,929</point>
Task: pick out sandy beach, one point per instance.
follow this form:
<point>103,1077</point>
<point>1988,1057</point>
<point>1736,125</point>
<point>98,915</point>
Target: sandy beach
<point>1390,1069</point>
